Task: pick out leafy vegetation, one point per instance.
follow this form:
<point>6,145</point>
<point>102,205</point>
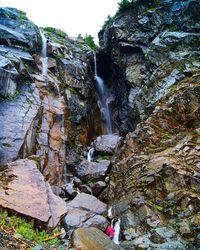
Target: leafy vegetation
<point>27,229</point>
<point>158,207</point>
<point>125,5</point>
<point>89,40</point>
<point>108,21</point>
<point>55,31</point>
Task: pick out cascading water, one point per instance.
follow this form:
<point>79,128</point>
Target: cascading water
<point>103,96</point>
<point>117,232</point>
<point>110,212</point>
<point>90,155</point>
<point>44,60</point>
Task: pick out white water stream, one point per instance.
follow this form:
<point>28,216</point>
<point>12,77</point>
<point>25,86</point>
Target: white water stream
<point>90,155</point>
<point>103,96</point>
<point>44,60</point>
<point>117,232</point>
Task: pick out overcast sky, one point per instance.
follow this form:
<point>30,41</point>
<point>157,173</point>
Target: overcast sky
<point>73,16</point>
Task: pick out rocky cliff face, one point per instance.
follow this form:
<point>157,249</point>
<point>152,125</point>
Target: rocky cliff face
<point>149,175</point>
<point>42,114</point>
<point>152,52</point>
<point>148,49</point>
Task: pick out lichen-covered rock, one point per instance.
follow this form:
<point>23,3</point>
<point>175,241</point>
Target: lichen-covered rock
<point>92,238</point>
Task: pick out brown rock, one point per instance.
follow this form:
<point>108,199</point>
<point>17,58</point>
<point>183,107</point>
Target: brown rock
<point>23,189</point>
<point>92,238</point>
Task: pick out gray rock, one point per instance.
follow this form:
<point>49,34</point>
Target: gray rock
<point>98,187</point>
<point>107,143</point>
<point>92,170</point>
<point>131,233</point>
<point>18,123</point>
<point>75,217</point>
<point>85,189</point>
<point>92,238</point>
<point>8,77</point>
<point>96,221</point>
<point>184,228</point>
<point>88,203</point>
<point>84,211</point>
<point>16,52</point>
<point>77,182</point>
<point>19,31</point>
<point>129,219</point>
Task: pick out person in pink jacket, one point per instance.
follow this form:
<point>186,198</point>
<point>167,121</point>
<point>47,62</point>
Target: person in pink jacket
<point>110,232</point>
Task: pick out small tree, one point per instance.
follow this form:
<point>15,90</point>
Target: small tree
<point>90,41</point>
<point>126,5</point>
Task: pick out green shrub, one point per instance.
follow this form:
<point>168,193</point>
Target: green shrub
<point>108,21</point>
<point>125,5</point>
<point>89,40</point>
<point>27,229</point>
<point>55,31</point>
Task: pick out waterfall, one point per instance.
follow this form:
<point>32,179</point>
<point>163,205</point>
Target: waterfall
<point>44,58</point>
<point>110,212</point>
<point>117,232</point>
<point>90,155</point>
<point>103,96</point>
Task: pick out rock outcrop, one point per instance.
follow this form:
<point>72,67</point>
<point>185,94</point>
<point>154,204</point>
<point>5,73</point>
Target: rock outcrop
<point>42,114</point>
<point>152,51</point>
<point>145,50</point>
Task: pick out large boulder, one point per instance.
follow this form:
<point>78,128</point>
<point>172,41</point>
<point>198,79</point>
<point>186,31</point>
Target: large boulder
<point>92,170</point>
<point>107,144</point>
<point>84,211</point>
<point>24,190</point>
<point>92,238</point>
<point>89,203</point>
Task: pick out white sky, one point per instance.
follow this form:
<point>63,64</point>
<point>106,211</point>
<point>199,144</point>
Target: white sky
<point>73,16</point>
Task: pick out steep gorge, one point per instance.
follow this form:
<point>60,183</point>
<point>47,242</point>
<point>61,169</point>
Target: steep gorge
<point>149,59</point>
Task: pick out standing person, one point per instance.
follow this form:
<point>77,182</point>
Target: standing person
<point>110,232</point>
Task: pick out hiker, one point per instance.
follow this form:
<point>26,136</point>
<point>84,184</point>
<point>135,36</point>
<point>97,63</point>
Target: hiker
<point>110,232</point>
